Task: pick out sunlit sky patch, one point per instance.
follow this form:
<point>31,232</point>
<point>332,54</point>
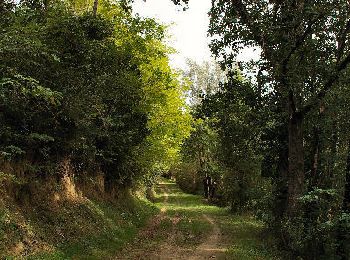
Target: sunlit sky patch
<point>188,28</point>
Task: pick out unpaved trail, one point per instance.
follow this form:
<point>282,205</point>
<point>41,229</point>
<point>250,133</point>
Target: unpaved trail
<point>188,228</point>
<point>142,247</point>
<point>213,246</point>
<point>168,248</point>
<point>152,244</point>
<point>165,192</point>
<point>208,249</point>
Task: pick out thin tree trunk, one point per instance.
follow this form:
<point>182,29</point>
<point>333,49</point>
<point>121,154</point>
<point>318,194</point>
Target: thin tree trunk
<point>296,175</point>
<point>46,5</point>
<point>315,157</point>
<point>334,149</point>
<point>346,200</point>
<point>94,10</point>
<point>281,185</point>
<point>317,147</point>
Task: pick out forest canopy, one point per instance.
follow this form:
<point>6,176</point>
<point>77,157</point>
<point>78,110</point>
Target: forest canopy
<point>95,89</point>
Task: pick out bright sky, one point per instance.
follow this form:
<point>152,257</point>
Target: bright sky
<point>188,28</point>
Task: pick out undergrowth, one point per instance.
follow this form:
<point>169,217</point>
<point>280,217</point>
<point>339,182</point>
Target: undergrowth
<point>85,230</point>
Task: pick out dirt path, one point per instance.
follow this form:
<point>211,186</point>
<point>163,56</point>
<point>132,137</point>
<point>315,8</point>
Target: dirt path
<point>165,192</point>
<point>208,249</point>
<point>212,247</point>
<point>165,238</point>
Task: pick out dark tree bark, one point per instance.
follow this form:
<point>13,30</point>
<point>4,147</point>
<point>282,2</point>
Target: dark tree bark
<point>346,200</point>
<point>281,184</point>
<point>317,148</point>
<point>296,175</point>
<point>315,157</point>
<point>94,10</point>
<point>46,4</point>
<point>334,151</point>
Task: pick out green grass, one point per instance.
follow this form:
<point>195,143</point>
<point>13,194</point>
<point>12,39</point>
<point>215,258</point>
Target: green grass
<point>243,234</point>
<point>100,230</point>
<point>246,238</point>
<point>120,226</point>
<point>88,230</point>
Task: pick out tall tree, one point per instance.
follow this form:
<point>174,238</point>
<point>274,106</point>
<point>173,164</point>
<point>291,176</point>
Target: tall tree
<point>304,52</point>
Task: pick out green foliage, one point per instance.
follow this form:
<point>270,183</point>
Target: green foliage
<point>28,117</point>
<point>225,143</point>
<point>236,111</point>
<point>199,157</point>
<point>300,78</point>
<point>96,89</point>
<point>320,231</point>
<point>341,226</point>
<point>188,176</point>
<point>169,121</point>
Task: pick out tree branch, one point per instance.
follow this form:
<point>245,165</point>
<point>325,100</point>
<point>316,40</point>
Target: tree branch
<point>94,10</point>
<point>341,41</point>
<point>328,84</point>
<point>239,6</point>
<point>299,42</point>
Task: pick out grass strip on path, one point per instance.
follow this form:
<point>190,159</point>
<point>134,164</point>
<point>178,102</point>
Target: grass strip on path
<point>189,224</point>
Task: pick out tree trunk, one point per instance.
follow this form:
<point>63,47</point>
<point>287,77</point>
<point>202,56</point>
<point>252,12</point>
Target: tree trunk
<point>46,5</point>
<point>315,158</point>
<point>342,236</point>
<point>94,10</point>
<point>334,153</point>
<point>346,200</point>
<point>281,186</point>
<point>296,175</point>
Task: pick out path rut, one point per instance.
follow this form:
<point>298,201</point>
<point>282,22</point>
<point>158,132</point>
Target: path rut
<point>211,248</point>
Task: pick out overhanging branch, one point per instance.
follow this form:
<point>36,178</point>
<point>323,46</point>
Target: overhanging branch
<point>328,84</point>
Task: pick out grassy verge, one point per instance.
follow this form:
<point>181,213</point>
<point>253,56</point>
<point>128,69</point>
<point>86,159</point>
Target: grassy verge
<point>85,230</point>
<point>245,238</point>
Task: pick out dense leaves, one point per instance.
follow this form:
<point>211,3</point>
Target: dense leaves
<point>96,90</point>
<point>300,80</point>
